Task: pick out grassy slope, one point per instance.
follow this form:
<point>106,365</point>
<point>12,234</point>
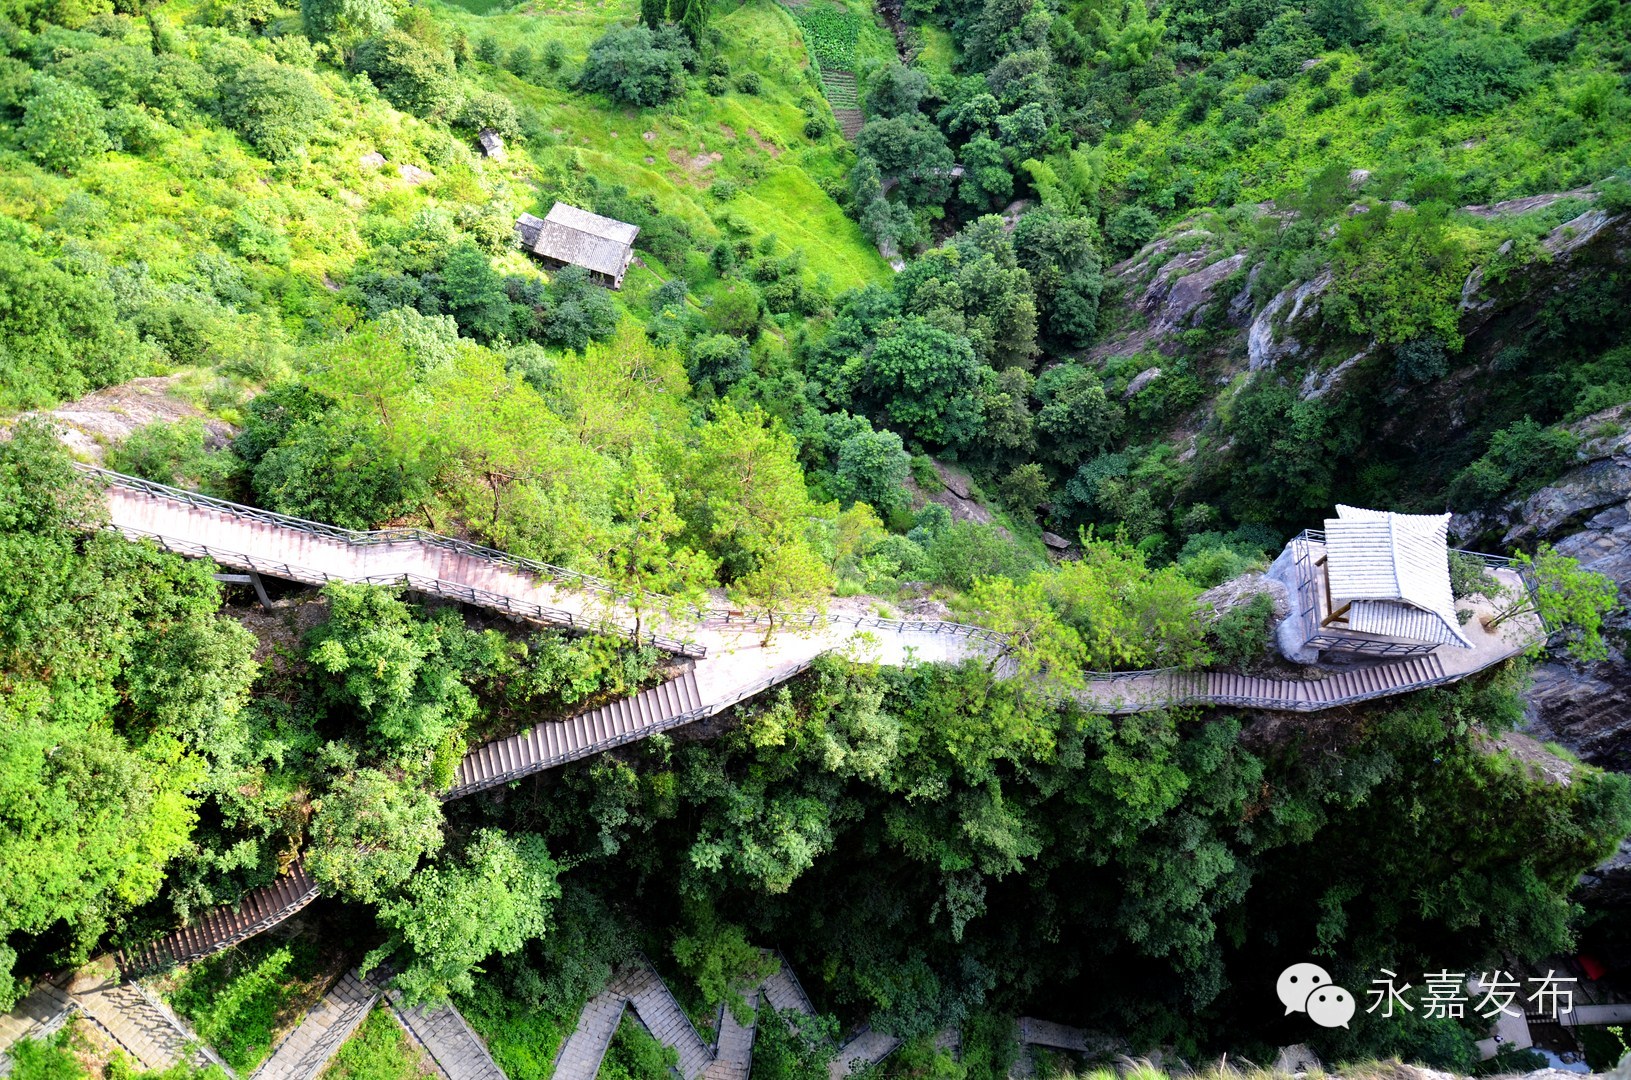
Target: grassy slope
<point>177,201</point>
<point>1510,152</point>
<point>758,138</point>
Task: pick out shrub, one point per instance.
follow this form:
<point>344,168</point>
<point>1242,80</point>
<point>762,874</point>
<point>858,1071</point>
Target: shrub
<point>62,124</point>
<point>632,65</point>
<point>274,107</point>
<point>1468,72</point>
<point>1420,360</point>
<point>177,454</point>
<point>492,111</point>
<point>1469,578</point>
<point>60,332</point>
<point>344,19</point>
<point>1243,634</point>
<point>1130,228</point>
<point>748,82</point>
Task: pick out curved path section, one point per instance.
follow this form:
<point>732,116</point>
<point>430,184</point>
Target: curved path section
<point>734,655</point>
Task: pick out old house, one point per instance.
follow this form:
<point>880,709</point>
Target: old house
<point>491,143</point>
<point>569,236</point>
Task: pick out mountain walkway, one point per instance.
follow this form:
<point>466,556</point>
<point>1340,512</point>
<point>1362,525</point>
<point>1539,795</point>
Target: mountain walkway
<point>728,658</point>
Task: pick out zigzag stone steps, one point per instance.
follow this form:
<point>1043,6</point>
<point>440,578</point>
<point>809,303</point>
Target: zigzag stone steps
<point>581,1053</point>
<point>661,1014</point>
<point>307,1049</point>
<point>457,1052</point>
<point>862,1052</point>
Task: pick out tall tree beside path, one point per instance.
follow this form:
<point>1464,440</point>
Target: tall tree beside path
<point>1567,598</point>
<point>660,577</point>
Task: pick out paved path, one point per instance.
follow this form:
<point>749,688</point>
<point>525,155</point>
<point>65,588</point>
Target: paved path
<point>1590,1015</point>
<point>306,1050</point>
<point>458,1052</point>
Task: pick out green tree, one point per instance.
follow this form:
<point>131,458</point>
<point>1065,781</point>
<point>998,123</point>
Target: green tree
<point>452,915</point>
<point>369,835</point>
<point>62,124</point>
<point>896,90</point>
<point>630,65</point>
<point>1039,642</point>
<point>653,13</point>
<point>789,577</point>
<point>1077,420</point>
<point>871,467</point>
<point>491,110</point>
<point>924,380</point>
<point>345,20</point>
<point>474,293</point>
<point>399,674</point>
<point>660,577</point>
<point>692,15</point>
<point>913,151</point>
<point>414,75</point>
<point>115,671</point>
<point>1398,276</point>
<point>987,182</point>
<point>1127,614</point>
<point>1566,598</point>
<point>1342,22</point>
<point>747,494</point>
<point>1061,255</point>
<point>275,107</point>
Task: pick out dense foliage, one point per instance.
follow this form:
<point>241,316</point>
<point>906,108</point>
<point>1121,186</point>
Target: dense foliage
<point>965,847</point>
<point>282,207</point>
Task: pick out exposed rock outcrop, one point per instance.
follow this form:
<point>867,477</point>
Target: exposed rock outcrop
<point>1586,514</point>
<point>1174,296</point>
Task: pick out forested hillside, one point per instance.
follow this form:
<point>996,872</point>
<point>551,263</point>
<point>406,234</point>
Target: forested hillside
<point>1048,316</point>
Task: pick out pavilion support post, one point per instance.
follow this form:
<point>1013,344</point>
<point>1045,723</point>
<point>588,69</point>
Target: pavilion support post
<point>260,590</point>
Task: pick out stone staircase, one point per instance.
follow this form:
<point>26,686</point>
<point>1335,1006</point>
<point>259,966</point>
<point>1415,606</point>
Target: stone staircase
<point>306,1050</point>
<point>38,1015</point>
<point>138,1024</point>
<point>457,1052</point>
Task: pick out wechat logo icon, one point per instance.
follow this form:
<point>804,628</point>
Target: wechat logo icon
<point>1307,988</point>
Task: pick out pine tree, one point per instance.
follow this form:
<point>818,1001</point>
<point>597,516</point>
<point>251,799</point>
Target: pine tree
<point>693,17</point>
<point>653,12</point>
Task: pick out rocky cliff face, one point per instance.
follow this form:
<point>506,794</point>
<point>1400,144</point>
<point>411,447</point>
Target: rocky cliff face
<point>1586,514</point>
